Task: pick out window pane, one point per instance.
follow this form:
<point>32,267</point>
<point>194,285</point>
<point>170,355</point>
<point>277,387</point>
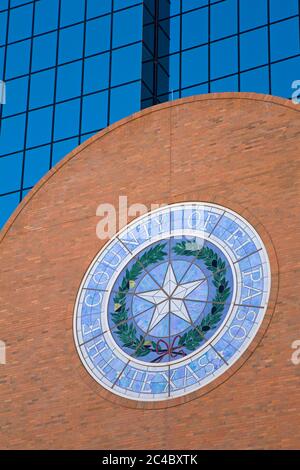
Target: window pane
<point>18,59</point>
<point>69,81</point>
<point>126,64</point>
<point>37,163</point>
<point>223,19</point>
<point>224,57</point>
<point>71,43</point>
<point>39,127</point>
<point>94,112</point>
<point>252,13</point>
<point>125,100</point>
<point>225,85</point>
<point>20,23</point>
<point>42,88</point>
<point>97,35</point>
<point>194,28</point>
<point>10,172</point>
<point>67,119</point>
<point>285,39</point>
<point>96,8</point>
<point>194,66</point>
<point>61,149</point>
<point>72,11</point>
<point>96,72</point>
<point>3,25</point>
<point>7,205</point>
<point>251,54</point>
<point>16,90</point>
<point>256,80</point>
<point>124,32</point>
<point>283,74</point>
<point>12,134</point>
<point>46,16</point>
<point>280,9</point>
<point>44,51</point>
<point>195,90</point>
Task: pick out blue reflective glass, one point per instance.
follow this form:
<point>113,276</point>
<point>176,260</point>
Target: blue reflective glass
<point>16,90</point>
<point>70,43</point>
<point>195,90</point>
<point>3,26</point>
<point>96,8</point>
<point>251,55</point>
<point>280,9</point>
<point>285,39</point>
<point>72,11</point>
<point>126,64</point>
<point>20,23</point>
<point>37,163</point>
<point>252,13</point>
<point>190,4</point>
<point>194,66</point>
<point>194,28</point>
<point>10,172</point>
<point>223,19</point>
<point>67,119</point>
<point>7,205</point>
<point>61,149</point>
<point>39,126</point>
<point>125,100</point>
<point>224,85</point>
<point>97,35</point>
<point>120,3</point>
<point>174,66</point>
<point>123,30</point>
<point>17,62</point>
<point>42,88</point>
<point>94,112</point>
<point>283,75</point>
<point>46,16</point>
<point>44,51</point>
<point>12,134</point>
<point>96,73</point>
<point>224,57</point>
<point>69,81</point>
<point>174,34</point>
<point>256,80</point>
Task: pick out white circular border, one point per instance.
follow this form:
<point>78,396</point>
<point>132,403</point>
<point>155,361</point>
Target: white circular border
<point>166,367</point>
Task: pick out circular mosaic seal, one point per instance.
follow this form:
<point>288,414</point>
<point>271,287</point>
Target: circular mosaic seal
<point>172,301</point>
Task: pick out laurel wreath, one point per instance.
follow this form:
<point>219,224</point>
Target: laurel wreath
<point>127,332</point>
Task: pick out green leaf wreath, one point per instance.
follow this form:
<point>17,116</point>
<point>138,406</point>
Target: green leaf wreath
<point>126,330</point>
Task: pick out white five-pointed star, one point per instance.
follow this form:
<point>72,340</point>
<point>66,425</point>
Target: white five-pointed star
<point>169,298</point>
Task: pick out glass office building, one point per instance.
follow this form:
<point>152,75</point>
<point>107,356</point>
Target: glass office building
<point>70,68</point>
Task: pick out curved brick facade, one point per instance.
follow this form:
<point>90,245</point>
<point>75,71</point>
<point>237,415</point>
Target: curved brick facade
<point>239,150</point>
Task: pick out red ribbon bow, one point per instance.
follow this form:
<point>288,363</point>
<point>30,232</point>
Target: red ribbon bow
<point>170,350</point>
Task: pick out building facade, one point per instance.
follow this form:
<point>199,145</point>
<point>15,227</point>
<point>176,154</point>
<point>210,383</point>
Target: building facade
<point>99,61</point>
<point>236,154</point>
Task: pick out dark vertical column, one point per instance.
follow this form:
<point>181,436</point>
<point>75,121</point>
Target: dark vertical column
<point>155,59</point>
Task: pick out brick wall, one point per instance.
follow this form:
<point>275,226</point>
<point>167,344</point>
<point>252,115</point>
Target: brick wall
<point>240,150</point>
